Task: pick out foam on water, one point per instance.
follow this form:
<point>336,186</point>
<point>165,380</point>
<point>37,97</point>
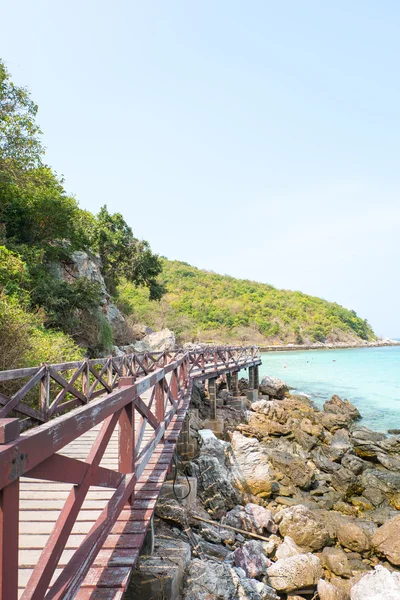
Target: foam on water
<point>368,377</point>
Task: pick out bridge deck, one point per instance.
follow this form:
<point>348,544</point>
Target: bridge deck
<point>41,503</point>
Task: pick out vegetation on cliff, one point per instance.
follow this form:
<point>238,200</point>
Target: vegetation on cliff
<point>41,314</point>
<point>203,305</point>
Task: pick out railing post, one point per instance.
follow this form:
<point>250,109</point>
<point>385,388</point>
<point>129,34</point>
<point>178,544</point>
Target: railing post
<point>44,400</point>
<point>160,401</point>
<point>86,379</point>
<point>110,372</point>
<point>9,522</point>
<point>126,445</point>
<point>173,386</point>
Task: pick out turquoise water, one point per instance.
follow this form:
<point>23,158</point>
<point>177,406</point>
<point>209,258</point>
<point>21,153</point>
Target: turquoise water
<point>368,377</point>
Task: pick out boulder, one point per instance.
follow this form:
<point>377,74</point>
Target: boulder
<point>353,463</point>
<point>161,574</point>
<point>381,584</point>
<point>306,441</point>
<point>252,559</point>
<point>273,387</point>
<point>355,534</point>
<point>341,443</point>
<point>260,425</point>
<point>251,589</point>
<point>342,407</point>
<point>327,591</point>
<point>207,579</point>
<point>305,527</point>
<point>295,468</point>
<point>252,517</point>
<point>295,572</point>
<point>161,341</point>
<point>335,560</point>
<point>170,510</point>
<point>214,484</point>
<point>386,540</point>
<point>288,548</point>
<point>366,442</point>
<point>251,471</point>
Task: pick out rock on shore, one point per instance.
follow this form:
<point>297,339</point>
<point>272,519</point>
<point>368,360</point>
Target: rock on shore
<point>320,489</point>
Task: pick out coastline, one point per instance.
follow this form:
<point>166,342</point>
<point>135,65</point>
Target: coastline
<point>337,346</point>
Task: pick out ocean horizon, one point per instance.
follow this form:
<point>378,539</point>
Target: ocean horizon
<point>367,377</point>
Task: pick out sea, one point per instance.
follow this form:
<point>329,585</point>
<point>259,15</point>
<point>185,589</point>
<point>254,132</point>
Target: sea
<point>367,377</point>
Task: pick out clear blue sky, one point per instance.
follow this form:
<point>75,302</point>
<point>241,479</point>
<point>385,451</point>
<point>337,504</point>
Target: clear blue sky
<point>259,138</point>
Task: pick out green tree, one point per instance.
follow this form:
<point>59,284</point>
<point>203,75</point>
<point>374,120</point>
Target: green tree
<point>123,255</point>
<point>20,145</point>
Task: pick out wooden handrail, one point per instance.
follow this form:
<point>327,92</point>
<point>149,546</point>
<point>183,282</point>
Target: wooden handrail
<point>52,389</point>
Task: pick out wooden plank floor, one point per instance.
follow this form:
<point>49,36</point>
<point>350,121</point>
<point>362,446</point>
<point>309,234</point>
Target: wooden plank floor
<point>41,503</point>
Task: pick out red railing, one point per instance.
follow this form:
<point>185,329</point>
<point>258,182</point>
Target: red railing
<point>148,398</point>
<point>38,394</point>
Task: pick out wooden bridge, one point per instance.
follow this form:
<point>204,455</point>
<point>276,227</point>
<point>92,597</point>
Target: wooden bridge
<point>77,493</point>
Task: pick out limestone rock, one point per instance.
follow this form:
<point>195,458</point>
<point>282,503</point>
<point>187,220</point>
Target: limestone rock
<point>327,591</point>
<point>213,477</point>
<point>342,407</point>
<point>274,387</point>
<point>353,463</point>
<point>336,561</point>
<point>169,509</point>
<point>293,467</point>
<point>341,442</point>
<point>161,341</point>
<point>295,572</point>
<point>288,548</point>
<point>208,579</point>
<point>251,470</point>
<point>252,559</point>
<point>305,527</point>
<point>161,574</point>
<point>381,584</point>
<point>251,517</point>
<point>355,534</point>
<point>386,540</point>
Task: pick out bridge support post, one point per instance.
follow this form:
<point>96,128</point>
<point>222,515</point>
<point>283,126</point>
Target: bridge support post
<point>235,386</point>
<point>229,382</point>
<point>256,378</point>
<point>251,378</point>
<point>212,392</point>
<point>252,392</point>
<point>184,447</point>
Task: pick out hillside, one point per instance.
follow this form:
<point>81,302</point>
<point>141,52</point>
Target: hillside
<point>202,305</point>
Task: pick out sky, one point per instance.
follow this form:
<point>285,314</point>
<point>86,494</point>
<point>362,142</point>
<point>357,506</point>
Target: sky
<point>258,139</point>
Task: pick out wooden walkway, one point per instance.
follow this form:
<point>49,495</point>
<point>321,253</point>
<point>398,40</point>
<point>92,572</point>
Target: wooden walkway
<point>56,524</point>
